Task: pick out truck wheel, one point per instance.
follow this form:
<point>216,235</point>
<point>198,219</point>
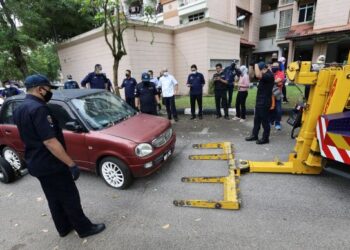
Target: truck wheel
<point>13,158</point>
<point>115,173</point>
<point>7,173</point>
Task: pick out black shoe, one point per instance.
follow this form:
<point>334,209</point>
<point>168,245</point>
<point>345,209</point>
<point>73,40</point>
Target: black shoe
<point>218,116</point>
<point>65,233</point>
<point>227,118</point>
<point>193,117</point>
<point>200,117</point>
<point>176,119</point>
<point>95,229</point>
<point>262,141</point>
<point>251,138</point>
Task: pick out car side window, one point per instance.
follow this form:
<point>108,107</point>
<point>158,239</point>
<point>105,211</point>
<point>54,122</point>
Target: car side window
<point>7,114</point>
<point>61,114</point>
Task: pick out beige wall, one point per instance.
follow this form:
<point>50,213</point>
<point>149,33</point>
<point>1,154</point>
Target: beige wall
<point>331,13</point>
<point>254,22</point>
<point>190,47</point>
<point>177,49</point>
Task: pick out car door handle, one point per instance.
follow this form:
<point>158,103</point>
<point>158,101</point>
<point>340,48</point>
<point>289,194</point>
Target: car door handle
<point>8,132</point>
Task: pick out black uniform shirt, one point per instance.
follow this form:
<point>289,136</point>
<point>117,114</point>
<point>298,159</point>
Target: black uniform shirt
<point>196,81</point>
<point>264,94</point>
<point>147,92</point>
<point>36,125</point>
<point>219,85</point>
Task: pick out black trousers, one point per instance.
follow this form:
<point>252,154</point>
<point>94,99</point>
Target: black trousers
<point>240,104</point>
<point>221,101</point>
<point>261,118</point>
<point>230,89</point>
<point>64,202</point>
<point>193,100</point>
<point>170,107</point>
<point>149,111</point>
<point>284,92</point>
<point>130,101</point>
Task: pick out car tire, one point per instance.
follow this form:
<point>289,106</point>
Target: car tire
<point>11,156</point>
<point>7,173</point>
<point>115,173</point>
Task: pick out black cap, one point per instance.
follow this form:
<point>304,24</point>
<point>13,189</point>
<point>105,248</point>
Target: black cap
<point>36,81</point>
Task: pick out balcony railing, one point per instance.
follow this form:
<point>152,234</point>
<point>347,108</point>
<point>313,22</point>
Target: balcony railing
<point>188,2</point>
<point>269,18</point>
<point>267,44</point>
<point>282,33</point>
<point>285,2</point>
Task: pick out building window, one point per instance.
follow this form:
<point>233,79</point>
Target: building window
<point>285,2</point>
<point>306,13</point>
<point>286,18</point>
<point>196,17</point>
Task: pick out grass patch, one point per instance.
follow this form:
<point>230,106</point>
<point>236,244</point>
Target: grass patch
<point>293,95</point>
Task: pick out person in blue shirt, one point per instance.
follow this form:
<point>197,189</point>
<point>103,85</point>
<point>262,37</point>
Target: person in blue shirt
<point>96,79</point>
<point>70,83</point>
<point>231,73</point>
<point>147,95</point>
<point>47,160</point>
<point>195,82</point>
<point>10,89</point>
<point>129,84</point>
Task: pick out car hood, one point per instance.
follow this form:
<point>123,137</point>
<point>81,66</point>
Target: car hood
<point>139,128</point>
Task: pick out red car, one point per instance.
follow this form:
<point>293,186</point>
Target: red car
<point>102,133</point>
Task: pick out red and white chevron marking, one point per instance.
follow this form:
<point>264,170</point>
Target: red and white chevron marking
<point>329,151</point>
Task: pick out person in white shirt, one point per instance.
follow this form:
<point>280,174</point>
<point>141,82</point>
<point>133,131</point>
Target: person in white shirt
<point>169,87</point>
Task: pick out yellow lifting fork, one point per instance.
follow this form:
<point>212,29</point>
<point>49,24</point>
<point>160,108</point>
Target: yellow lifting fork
<point>230,182</point>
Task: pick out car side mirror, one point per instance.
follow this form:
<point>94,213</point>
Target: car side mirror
<point>73,126</point>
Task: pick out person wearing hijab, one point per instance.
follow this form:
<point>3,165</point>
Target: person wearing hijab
<point>243,86</point>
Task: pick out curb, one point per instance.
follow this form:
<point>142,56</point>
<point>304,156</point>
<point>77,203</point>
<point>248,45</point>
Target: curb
<point>232,111</point>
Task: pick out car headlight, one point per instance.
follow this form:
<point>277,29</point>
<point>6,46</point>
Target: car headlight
<point>143,150</point>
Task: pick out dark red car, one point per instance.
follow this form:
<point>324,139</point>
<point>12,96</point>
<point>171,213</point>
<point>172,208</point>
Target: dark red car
<point>102,133</point>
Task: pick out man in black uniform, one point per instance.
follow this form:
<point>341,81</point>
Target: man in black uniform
<point>129,83</point>
<point>147,96</point>
<point>195,82</point>
<point>70,83</point>
<point>263,103</point>
<point>46,159</point>
<point>220,89</point>
<point>96,79</point>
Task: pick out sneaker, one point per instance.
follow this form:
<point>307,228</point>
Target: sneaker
<point>242,120</point>
<point>236,118</point>
<point>278,127</point>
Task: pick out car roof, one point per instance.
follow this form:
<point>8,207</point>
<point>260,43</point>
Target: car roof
<point>65,94</point>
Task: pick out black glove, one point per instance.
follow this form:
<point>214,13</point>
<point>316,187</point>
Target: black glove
<point>75,172</point>
<point>159,106</point>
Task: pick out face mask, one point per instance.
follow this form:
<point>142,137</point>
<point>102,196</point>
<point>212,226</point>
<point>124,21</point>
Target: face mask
<point>165,73</point>
<point>7,86</point>
<point>194,71</point>
<point>274,69</point>
<point>48,95</point>
<point>127,75</point>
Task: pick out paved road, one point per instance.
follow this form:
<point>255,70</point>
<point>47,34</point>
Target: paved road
<point>278,211</point>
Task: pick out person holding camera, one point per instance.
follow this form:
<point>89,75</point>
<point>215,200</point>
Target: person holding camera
<point>220,90</point>
<point>263,103</point>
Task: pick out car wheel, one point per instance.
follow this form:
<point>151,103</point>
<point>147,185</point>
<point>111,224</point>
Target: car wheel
<point>7,173</point>
<point>13,158</point>
<point>115,173</point>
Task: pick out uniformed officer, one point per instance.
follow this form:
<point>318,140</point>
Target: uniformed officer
<point>147,96</point>
<point>46,159</point>
<point>129,83</point>
<point>96,79</point>
<point>220,89</point>
<point>70,83</point>
<point>10,89</point>
<point>263,103</point>
<point>156,83</point>
<point>195,82</point>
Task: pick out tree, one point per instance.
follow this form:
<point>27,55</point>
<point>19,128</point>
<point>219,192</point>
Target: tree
<point>26,24</point>
<point>112,16</point>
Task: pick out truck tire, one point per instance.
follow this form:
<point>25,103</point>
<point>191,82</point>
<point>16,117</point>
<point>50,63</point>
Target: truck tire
<point>7,173</point>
